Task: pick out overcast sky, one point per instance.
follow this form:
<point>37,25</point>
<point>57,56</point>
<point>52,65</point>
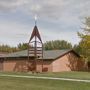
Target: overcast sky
<point>57,19</point>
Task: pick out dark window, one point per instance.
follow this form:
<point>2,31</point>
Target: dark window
<point>45,69</point>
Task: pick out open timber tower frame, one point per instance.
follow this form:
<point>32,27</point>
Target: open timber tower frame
<point>35,48</point>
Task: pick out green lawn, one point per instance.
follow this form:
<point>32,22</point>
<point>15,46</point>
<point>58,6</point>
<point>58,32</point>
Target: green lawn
<point>75,75</point>
<point>10,83</point>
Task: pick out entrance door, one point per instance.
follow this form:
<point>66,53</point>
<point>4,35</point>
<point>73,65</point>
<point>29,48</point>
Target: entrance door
<point>1,65</point>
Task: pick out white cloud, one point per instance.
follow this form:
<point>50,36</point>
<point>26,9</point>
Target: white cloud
<point>64,12</point>
<point>67,12</point>
<point>13,33</point>
<point>48,8</point>
<point>60,35</point>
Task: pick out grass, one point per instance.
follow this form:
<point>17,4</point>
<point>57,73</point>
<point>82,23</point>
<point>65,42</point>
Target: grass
<point>75,75</point>
<point>10,83</point>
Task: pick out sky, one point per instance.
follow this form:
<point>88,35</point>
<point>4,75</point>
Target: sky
<point>57,19</point>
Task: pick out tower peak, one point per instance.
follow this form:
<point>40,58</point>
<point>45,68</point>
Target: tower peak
<point>35,33</point>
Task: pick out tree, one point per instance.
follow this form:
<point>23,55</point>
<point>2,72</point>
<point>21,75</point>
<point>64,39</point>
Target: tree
<point>7,48</point>
<point>57,45</point>
<point>22,46</point>
<point>85,40</point>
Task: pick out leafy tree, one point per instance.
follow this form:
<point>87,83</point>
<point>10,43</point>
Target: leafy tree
<point>7,48</point>
<point>84,45</point>
<point>57,45</point>
<point>22,46</point>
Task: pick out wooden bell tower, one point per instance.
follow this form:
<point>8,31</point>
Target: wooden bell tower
<point>35,48</point>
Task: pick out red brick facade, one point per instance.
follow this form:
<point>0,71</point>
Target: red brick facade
<point>67,62</point>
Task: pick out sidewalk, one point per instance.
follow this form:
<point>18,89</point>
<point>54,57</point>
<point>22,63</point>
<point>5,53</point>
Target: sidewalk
<point>50,78</point>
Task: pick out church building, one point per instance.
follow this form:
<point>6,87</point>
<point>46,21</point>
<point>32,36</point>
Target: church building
<point>39,60</point>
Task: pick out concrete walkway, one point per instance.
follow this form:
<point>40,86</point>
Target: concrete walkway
<point>49,78</point>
